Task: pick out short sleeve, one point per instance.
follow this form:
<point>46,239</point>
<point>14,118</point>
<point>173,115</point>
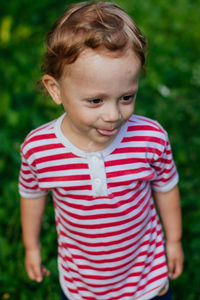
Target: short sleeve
<point>166,173</point>
<point>28,183</point>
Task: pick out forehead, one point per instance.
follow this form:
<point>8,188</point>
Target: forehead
<point>103,61</point>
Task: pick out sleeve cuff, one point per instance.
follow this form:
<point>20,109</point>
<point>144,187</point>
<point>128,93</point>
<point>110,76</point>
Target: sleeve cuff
<point>167,187</point>
<point>31,195</point>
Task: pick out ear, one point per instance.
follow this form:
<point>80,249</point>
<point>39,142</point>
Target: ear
<point>53,88</point>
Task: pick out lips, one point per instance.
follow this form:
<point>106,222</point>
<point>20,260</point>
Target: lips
<point>108,132</point>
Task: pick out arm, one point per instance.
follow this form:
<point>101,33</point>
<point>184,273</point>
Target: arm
<point>31,217</point>
<point>168,205</point>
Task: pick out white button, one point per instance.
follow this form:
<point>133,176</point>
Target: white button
<point>97,181</point>
<point>98,161</point>
<point>95,159</point>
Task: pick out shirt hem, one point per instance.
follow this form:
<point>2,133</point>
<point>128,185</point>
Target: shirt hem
<point>146,296</point>
<point>153,293</point>
<point>65,291</point>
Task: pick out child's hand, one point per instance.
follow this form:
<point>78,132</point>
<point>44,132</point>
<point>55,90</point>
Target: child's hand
<point>175,259</point>
<point>33,264</point>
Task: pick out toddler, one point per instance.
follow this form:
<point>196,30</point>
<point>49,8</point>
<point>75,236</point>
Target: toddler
<point>107,168</point>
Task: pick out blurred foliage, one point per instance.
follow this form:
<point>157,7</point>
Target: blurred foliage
<point>169,92</point>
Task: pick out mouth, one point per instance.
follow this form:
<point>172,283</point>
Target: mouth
<point>108,132</point>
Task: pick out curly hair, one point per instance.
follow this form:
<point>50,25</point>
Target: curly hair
<point>90,25</point>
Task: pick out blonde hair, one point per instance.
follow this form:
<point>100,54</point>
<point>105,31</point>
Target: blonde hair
<point>90,25</point>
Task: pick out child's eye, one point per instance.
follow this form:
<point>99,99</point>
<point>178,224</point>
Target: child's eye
<point>95,101</point>
<point>128,98</point>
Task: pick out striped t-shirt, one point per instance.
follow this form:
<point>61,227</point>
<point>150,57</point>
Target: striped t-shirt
<point>110,241</point>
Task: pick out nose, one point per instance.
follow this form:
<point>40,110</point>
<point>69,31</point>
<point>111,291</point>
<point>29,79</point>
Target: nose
<point>111,113</point>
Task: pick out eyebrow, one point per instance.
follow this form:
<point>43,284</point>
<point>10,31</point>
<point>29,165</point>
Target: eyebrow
<point>103,95</point>
<point>95,96</point>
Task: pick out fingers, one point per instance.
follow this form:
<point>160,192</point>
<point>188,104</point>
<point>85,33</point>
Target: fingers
<point>45,272</point>
<point>34,268</point>
<point>175,259</point>
<point>175,269</point>
<point>37,272</point>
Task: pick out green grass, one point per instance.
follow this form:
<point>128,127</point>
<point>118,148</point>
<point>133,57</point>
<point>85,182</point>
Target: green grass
<point>169,92</point>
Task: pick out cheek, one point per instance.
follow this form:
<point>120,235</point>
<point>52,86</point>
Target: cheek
<point>128,110</point>
<point>82,117</point>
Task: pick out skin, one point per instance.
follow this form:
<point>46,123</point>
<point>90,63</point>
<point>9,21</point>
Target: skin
<point>98,93</point>
<point>168,205</point>
<point>32,211</point>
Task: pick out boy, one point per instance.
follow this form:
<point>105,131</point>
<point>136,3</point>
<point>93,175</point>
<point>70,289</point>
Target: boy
<point>105,166</point>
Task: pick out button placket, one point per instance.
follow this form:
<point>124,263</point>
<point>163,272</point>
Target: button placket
<point>98,176</point>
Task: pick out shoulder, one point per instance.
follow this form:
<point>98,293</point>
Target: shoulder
<point>137,122</point>
<point>146,133</point>
<point>39,138</point>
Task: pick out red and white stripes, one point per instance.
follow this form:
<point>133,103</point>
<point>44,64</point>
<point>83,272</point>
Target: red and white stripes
<point>110,240</point>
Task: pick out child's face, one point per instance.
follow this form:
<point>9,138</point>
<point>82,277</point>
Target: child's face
<point>98,93</point>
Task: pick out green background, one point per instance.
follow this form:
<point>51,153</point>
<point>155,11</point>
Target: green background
<point>169,93</point>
